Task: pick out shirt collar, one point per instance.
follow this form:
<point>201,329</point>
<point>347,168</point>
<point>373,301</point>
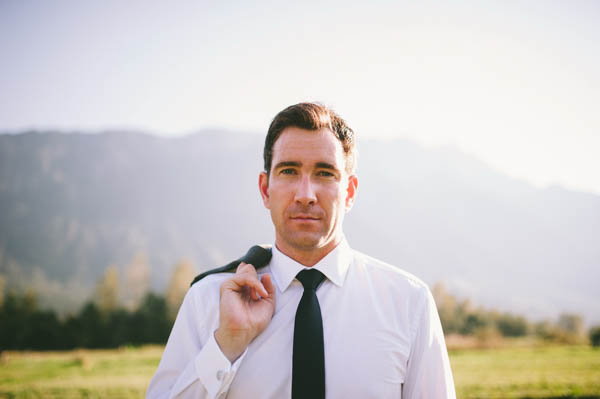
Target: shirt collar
<point>334,266</point>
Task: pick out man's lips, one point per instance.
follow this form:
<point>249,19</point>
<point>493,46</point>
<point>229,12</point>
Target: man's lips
<point>305,217</point>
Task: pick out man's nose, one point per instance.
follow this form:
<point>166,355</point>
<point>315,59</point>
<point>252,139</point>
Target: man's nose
<point>305,192</point>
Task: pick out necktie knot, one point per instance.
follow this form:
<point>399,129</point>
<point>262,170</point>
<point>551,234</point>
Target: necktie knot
<point>310,278</point>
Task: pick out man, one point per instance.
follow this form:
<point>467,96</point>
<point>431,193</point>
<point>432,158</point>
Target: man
<point>363,329</point>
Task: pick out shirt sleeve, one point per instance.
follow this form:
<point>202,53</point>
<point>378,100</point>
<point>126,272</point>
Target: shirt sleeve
<point>428,370</point>
<point>188,367</point>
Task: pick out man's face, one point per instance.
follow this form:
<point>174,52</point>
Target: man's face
<point>308,190</point>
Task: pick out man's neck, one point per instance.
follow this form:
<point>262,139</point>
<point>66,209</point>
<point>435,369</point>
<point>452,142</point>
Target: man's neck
<point>308,257</point>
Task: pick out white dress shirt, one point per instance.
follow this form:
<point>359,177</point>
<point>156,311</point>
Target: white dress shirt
<point>381,330</point>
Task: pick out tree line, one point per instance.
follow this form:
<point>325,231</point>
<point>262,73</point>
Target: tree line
<point>108,321</point>
<point>26,327</point>
<point>113,317</point>
<point>462,318</point>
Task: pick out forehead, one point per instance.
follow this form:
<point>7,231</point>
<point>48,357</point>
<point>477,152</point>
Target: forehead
<point>308,146</point>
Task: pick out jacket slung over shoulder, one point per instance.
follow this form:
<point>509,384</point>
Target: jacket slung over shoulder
<point>257,256</point>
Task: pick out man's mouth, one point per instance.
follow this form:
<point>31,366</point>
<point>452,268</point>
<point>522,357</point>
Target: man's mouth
<point>304,217</point>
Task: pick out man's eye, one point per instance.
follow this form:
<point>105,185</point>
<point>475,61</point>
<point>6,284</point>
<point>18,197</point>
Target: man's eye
<point>288,171</point>
<point>325,173</point>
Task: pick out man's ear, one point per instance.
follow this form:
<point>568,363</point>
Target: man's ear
<point>351,191</point>
<point>263,187</point>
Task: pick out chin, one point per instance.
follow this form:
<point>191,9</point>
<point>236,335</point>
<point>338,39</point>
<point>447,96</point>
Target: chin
<point>307,242</point>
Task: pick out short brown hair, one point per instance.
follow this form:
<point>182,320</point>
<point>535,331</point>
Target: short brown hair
<point>311,116</point>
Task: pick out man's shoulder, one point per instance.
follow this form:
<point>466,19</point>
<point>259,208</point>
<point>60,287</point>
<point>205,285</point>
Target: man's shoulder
<point>387,271</point>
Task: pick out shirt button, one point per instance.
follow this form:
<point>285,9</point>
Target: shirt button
<point>220,374</point>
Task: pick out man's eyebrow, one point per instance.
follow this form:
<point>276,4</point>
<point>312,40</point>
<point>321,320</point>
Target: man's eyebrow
<point>325,165</point>
<point>284,164</point>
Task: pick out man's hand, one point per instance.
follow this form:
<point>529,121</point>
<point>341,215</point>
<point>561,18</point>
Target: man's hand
<point>246,308</point>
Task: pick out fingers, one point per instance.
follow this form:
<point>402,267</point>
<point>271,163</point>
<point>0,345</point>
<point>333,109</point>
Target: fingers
<point>246,279</point>
<point>268,284</point>
<point>245,268</point>
<point>250,289</point>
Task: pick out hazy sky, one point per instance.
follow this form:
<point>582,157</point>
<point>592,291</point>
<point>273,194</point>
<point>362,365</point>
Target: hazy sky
<point>513,83</point>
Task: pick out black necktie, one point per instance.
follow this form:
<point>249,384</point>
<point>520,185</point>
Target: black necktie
<point>308,364</point>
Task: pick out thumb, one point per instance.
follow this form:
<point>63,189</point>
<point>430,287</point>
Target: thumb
<point>267,282</point>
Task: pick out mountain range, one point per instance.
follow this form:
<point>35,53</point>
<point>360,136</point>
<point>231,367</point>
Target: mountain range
<point>72,204</point>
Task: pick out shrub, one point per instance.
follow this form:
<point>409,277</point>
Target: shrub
<point>512,326</point>
<point>595,336</point>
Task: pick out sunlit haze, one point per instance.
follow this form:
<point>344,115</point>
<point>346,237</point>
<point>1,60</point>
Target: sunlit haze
<point>514,83</point>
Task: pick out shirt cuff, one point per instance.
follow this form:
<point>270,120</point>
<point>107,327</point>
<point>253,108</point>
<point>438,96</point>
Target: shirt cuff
<point>214,369</point>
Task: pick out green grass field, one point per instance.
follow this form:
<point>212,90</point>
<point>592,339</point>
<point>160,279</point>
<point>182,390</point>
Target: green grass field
<point>542,372</point>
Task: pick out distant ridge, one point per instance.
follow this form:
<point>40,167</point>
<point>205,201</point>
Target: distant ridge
<point>72,204</point>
